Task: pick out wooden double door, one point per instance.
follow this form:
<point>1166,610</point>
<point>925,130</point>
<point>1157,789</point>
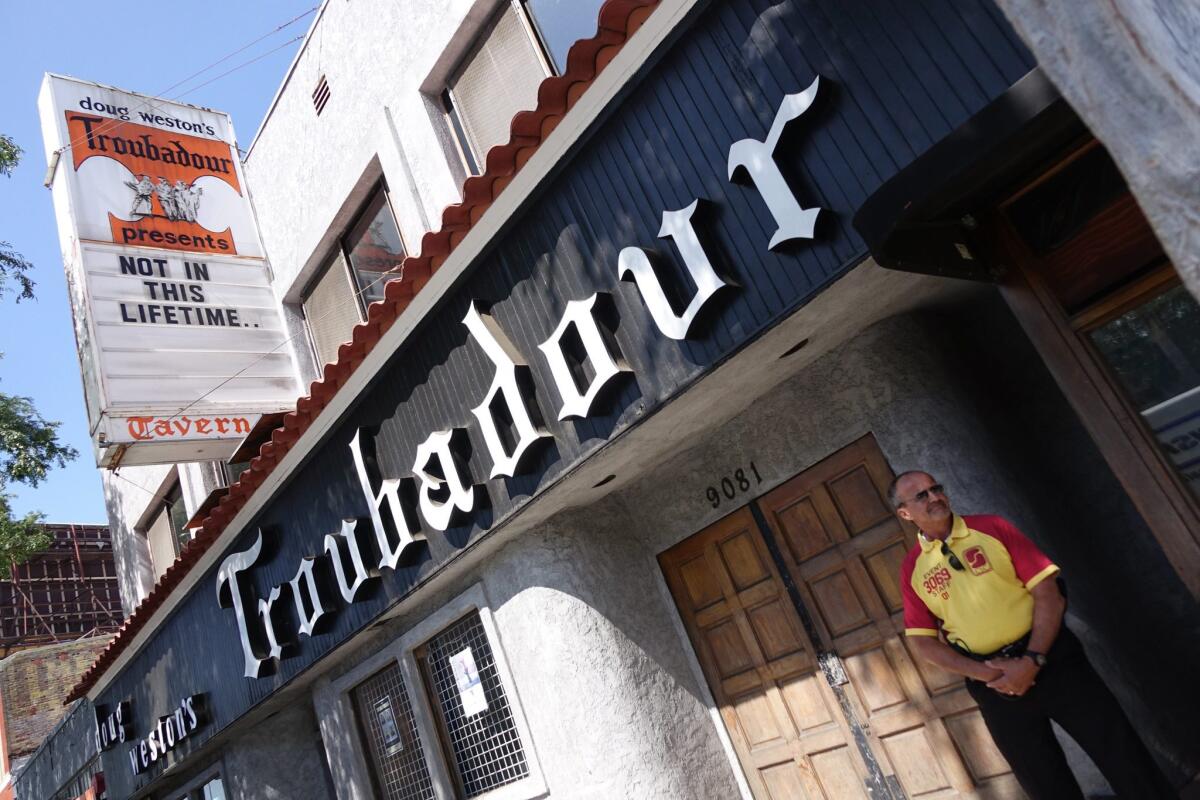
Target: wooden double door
<point>793,607</point>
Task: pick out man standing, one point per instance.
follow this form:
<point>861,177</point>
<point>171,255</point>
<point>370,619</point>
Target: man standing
<point>980,600</point>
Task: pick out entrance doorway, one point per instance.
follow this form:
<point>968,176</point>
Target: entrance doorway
<point>793,607</point>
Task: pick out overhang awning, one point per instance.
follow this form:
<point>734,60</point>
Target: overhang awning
<point>923,219</point>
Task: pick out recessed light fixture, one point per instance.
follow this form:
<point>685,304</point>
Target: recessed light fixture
<point>795,348</point>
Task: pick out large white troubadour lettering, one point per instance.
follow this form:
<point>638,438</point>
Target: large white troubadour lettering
<point>511,371</point>
<point>757,159</point>
<point>349,588</point>
<point>440,473</point>
<point>635,262</point>
<point>231,593</point>
<point>437,490</point>
<point>398,530</point>
<point>598,349</point>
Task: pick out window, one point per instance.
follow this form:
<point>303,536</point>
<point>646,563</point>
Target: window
<point>498,77</point>
<point>433,714</point>
<point>208,788</point>
<point>561,23</point>
<point>373,247</point>
<point>166,533</point>
<point>1152,347</point>
<point>474,717</point>
<point>390,729</point>
<point>353,277</point>
<point>1090,282</point>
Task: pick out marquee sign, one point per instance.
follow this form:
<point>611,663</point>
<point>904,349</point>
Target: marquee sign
<point>437,493</point>
<point>180,340</point>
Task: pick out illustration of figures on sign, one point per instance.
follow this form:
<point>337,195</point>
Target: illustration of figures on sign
<point>179,202</point>
<point>142,207</point>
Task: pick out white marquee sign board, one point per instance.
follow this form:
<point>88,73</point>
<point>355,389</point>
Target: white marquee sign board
<point>180,340</point>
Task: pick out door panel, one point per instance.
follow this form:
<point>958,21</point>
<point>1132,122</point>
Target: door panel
<point>782,715</point>
<point>922,723</point>
<point>842,546</point>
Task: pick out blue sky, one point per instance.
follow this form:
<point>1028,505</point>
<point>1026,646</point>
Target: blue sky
<point>143,48</point>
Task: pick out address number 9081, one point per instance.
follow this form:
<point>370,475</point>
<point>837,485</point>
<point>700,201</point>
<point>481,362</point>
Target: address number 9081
<point>742,480</point>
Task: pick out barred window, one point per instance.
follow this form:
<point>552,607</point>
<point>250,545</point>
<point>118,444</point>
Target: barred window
<point>474,715</point>
<point>386,718</point>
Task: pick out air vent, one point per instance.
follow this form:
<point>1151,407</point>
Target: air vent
<point>320,95</point>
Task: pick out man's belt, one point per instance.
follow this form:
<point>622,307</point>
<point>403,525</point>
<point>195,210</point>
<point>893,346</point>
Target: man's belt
<point>1012,650</point>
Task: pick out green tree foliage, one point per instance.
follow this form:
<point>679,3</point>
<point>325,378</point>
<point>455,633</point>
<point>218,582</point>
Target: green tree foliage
<point>13,267</point>
<point>29,446</point>
<point>19,537</point>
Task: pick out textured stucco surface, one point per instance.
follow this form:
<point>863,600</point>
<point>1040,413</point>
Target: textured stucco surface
<point>612,702</point>
<point>279,758</point>
<point>377,123</point>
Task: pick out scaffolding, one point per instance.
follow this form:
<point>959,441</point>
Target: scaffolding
<point>67,591</point>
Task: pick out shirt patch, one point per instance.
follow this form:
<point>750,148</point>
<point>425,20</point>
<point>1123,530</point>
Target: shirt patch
<point>977,560</point>
<point>937,582</point>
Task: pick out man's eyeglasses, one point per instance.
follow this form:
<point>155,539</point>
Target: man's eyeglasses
<point>923,495</point>
<point>949,554</point>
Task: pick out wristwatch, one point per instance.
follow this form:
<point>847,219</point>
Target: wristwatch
<point>1038,658</point>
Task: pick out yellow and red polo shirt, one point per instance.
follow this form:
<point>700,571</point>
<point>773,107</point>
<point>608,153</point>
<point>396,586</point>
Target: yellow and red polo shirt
<point>985,606</point>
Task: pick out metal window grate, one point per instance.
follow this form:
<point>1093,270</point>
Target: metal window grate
<point>477,719</point>
<point>386,716</point>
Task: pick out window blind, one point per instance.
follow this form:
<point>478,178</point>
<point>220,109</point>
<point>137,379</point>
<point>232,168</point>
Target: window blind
<point>498,79</point>
<point>331,310</point>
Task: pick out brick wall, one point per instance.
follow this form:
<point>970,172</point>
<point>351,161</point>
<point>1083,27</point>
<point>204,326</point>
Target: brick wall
<point>33,684</point>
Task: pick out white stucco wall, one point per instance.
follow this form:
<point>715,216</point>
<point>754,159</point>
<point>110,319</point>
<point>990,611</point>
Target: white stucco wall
<point>308,174</point>
<point>129,494</point>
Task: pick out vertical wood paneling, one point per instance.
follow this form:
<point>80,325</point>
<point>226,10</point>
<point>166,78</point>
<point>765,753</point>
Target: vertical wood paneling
<point>897,77</point>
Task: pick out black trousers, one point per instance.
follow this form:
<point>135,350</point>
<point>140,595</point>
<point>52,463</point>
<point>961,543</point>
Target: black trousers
<point>1069,692</point>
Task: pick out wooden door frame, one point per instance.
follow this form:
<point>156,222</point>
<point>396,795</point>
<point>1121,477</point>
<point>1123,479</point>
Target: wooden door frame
<point>1157,491</point>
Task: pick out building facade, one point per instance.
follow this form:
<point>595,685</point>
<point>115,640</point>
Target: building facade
<point>615,348</point>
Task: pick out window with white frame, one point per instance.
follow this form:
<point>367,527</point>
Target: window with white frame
<point>165,532</point>
<point>434,714</point>
<point>523,43</point>
<point>353,277</point>
<point>385,716</point>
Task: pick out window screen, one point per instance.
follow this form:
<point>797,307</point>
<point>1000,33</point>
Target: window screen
<point>374,247</point>
<point>476,719</point>
<point>331,310</point>
<point>498,79</point>
<point>397,762</point>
